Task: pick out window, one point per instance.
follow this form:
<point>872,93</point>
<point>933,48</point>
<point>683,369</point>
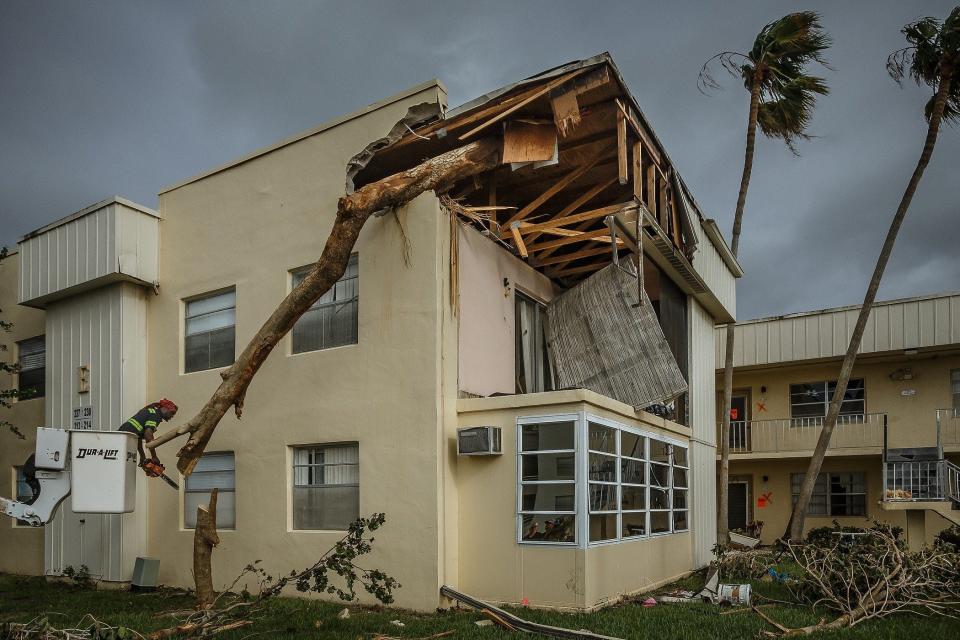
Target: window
<point>548,476</point>
<point>210,329</point>
<point>955,390</point>
<point>23,493</point>
<point>532,363</point>
<point>834,494</point>
<point>636,484</point>
<point>32,359</point>
<point>812,399</point>
<point>332,320</point>
<point>326,486</point>
<point>213,471</point>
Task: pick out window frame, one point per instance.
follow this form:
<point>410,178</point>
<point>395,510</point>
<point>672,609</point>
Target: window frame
<point>292,467</point>
<point>582,480</point>
<point>220,490</point>
<point>521,483</point>
<point>828,495</point>
<point>185,303</point>
<point>811,419</point>
<point>543,361</point>
<point>292,275</point>
<point>43,384</point>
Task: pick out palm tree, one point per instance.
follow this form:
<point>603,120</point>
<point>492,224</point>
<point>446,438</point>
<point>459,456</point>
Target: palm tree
<point>782,98</point>
<point>931,58</point>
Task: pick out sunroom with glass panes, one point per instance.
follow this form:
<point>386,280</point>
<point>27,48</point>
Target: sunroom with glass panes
<point>587,480</point>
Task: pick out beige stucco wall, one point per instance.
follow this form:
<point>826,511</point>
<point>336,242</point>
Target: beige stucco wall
<point>494,566</point>
<point>779,504</point>
<point>487,312</point>
<point>911,418</point>
<point>247,227</point>
<point>26,415</point>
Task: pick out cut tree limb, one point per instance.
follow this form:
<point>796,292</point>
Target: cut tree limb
<point>205,538</point>
<point>352,212</point>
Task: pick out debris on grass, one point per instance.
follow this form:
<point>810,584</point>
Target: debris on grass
<point>515,623</point>
<point>345,614</point>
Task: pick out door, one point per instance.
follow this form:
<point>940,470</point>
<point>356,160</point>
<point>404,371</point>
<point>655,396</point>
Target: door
<point>739,500</point>
<point>740,421</point>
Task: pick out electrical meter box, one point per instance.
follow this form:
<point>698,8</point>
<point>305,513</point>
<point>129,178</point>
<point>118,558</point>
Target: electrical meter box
<point>103,471</point>
<point>51,451</point>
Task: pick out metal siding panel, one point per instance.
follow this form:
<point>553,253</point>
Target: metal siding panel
<point>917,323</point>
<point>825,336</point>
<point>763,344</point>
<point>941,322</point>
<point>749,346</point>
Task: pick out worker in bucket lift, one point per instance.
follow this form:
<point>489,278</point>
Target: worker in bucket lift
<point>144,425</point>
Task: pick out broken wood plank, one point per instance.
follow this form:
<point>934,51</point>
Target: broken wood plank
<point>588,195</point>
<point>536,94</point>
<point>559,185</point>
<point>566,112</point>
<point>584,268</point>
<point>638,170</point>
<point>518,239</point>
<point>525,142</point>
<point>576,255</point>
<point>622,169</point>
<point>578,217</point>
<point>518,622</point>
<point>651,189</point>
<point>599,235</point>
<point>641,132</point>
<point>662,213</point>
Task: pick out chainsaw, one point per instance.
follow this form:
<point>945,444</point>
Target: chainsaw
<point>157,470</point>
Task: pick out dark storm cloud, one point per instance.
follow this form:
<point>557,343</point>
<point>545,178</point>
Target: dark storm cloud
<point>128,97</point>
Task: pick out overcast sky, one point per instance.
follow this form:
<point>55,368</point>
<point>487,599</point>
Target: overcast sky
<point>102,98</point>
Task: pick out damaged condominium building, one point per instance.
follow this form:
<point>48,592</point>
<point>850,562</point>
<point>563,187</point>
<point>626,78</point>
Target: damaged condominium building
<point>519,370</point>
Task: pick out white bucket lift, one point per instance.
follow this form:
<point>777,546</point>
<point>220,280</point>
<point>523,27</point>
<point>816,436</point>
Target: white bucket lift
<point>99,466</point>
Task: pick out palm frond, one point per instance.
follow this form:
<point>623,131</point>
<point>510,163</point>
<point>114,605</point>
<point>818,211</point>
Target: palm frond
<point>933,52</point>
<point>707,82</point>
<point>777,66</point>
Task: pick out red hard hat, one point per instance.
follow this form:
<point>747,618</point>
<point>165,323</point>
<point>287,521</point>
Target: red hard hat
<point>167,405</point>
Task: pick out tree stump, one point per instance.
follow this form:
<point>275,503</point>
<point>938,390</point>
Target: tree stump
<point>205,538</point>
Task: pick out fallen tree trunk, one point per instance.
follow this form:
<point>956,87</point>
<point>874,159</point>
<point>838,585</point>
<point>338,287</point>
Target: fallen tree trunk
<point>205,538</point>
<point>352,212</point>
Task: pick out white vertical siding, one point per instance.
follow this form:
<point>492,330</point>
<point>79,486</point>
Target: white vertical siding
<point>929,321</point>
<point>113,240</point>
<point>105,330</point>
<point>714,271</point>
<point>703,444</point>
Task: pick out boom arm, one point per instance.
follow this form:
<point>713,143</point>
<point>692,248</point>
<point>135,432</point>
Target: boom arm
<point>54,488</point>
<point>99,468</point>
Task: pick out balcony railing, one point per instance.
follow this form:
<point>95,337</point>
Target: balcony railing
<point>857,431</point>
<point>921,481</point>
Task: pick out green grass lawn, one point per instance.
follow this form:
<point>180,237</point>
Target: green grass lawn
<point>22,599</point>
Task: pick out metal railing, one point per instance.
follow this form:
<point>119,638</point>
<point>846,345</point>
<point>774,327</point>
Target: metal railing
<point>919,481</point>
<point>801,434</point>
<point>952,480</point>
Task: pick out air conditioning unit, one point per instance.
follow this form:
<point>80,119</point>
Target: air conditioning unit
<point>478,441</point>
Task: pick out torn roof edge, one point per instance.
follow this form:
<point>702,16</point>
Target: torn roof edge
<point>715,235</point>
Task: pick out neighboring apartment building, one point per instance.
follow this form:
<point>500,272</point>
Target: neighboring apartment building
<point>904,395</point>
<point>437,324</point>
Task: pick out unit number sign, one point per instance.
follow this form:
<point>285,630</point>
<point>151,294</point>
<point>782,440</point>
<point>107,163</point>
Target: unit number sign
<point>83,418</point>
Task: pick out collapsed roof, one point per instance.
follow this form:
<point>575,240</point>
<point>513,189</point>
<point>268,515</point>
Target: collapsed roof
<point>580,169</point>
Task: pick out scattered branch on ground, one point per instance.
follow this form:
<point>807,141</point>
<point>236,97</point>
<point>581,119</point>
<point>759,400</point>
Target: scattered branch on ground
<point>228,611</point>
<point>867,574</point>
